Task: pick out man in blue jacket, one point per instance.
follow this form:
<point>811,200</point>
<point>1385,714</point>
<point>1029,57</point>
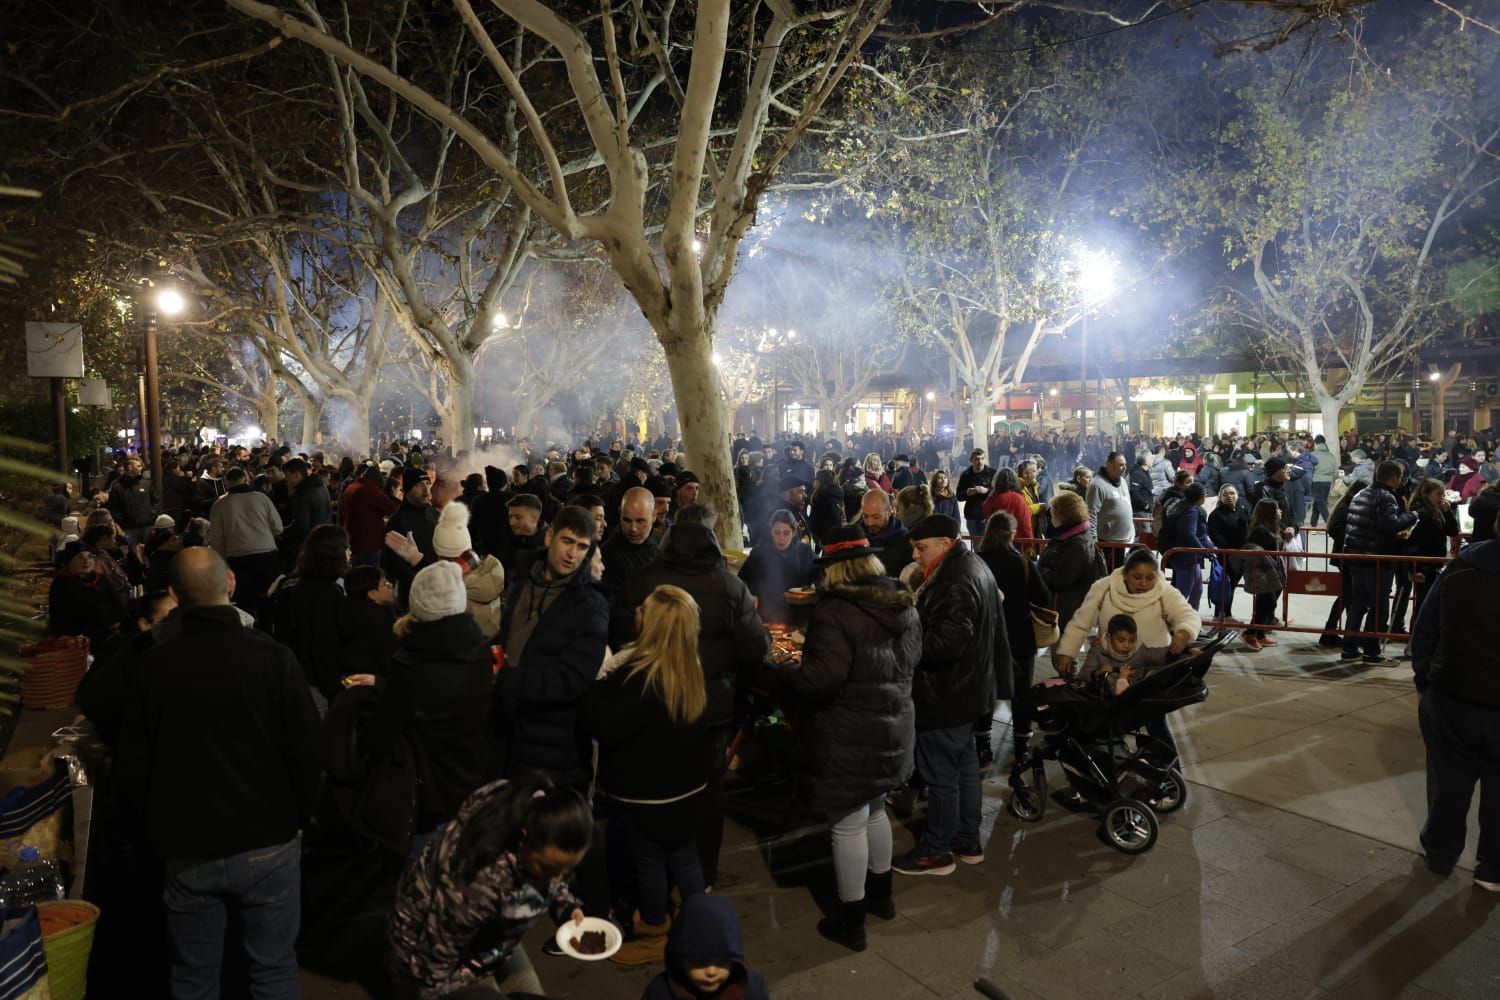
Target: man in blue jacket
<point>1456,667</point>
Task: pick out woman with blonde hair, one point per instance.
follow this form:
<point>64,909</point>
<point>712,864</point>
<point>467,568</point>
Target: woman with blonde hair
<point>875,475</point>
<point>857,724</point>
<point>913,503</point>
<point>655,758</point>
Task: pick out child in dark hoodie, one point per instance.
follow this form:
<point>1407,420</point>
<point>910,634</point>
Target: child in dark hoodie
<point>705,957</point>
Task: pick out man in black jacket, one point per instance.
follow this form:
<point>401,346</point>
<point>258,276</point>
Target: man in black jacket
<point>965,667</point>
<point>309,505</point>
<point>222,763</point>
<point>732,643</point>
<point>554,632</point>
<point>1140,485</point>
<point>973,486</point>
<point>133,503</point>
<point>417,519</point>
<point>627,550</point>
<point>1457,673</point>
<point>1373,526</point>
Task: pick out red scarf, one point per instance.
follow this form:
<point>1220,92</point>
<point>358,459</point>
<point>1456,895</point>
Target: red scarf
<point>468,562</point>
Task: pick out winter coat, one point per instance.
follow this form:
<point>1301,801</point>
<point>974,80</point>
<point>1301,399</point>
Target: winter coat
<point>1429,537</point>
<point>1161,476</point>
<point>485,586</point>
<point>852,695</point>
<point>1189,529</point>
<point>131,502</point>
<point>1264,574</point>
<point>1451,651</point>
<point>1141,490</point>
<point>363,509</point>
<point>770,572</point>
<point>622,560</point>
<point>827,511</point>
<point>1280,493</point>
<point>1069,566</point>
<point>965,650</point>
<point>419,522</point>
<point>1014,504</point>
<point>645,755</point>
<point>1208,476</point>
<point>891,547</point>
<point>732,642</point>
<point>89,606</point>
<point>536,701</point>
<point>1375,516</point>
<point>967,480</point>
<point>1158,613</point>
<point>1326,464</point>
<point>707,930</point>
<point>1228,526</point>
<point>1021,585</point>
<point>309,618</point>
<point>309,508</point>
<point>437,694</point>
<point>221,760</point>
<point>1238,476</point>
<point>447,931</point>
<point>368,642</point>
<point>1484,508</point>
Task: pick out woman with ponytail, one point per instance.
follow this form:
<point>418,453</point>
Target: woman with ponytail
<point>463,906</point>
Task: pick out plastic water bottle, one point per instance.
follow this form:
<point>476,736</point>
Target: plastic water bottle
<point>33,881</point>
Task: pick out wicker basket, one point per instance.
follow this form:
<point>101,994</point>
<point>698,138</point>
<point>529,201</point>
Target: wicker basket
<point>67,938</point>
<point>54,669</point>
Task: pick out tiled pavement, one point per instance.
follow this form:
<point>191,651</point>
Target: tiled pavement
<point>1290,873</point>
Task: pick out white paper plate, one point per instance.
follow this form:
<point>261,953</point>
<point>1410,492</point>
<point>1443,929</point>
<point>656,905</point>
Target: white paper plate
<point>568,931</point>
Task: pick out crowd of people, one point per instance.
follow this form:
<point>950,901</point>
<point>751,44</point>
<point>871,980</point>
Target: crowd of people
<point>470,681</point>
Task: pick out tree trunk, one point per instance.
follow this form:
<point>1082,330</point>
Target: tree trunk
<point>312,422</point>
<point>458,410</point>
<point>1330,407</point>
<point>525,417</point>
<point>980,410</point>
<point>268,409</point>
<point>705,432</point>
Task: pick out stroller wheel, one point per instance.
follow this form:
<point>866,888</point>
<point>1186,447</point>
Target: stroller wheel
<point>1129,826</point>
<point>1171,793</point>
<point>1027,804</point>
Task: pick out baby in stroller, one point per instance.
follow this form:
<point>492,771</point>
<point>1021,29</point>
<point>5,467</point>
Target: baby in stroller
<point>1128,775</point>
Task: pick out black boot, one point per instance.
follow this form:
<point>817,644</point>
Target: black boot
<point>983,749</point>
<point>878,901</point>
<point>848,928</point>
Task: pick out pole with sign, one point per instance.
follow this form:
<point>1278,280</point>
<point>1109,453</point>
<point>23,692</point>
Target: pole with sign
<point>55,351</point>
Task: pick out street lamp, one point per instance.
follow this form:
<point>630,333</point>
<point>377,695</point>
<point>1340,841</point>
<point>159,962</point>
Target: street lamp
<point>1095,274</point>
<point>168,302</point>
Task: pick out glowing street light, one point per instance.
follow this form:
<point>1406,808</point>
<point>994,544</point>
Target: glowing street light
<point>169,302</point>
<point>1435,376</point>
<point>931,395</point>
<point>718,358</point>
<point>501,321</point>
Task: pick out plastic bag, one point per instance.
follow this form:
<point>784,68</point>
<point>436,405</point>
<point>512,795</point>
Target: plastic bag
<point>1296,545</point>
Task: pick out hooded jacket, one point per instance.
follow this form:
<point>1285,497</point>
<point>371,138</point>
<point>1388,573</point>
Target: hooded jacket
<point>732,642</point>
<point>856,721</point>
<point>1069,567</point>
<point>1161,476</point>
<point>1141,490</point>
<point>707,930</point>
<point>1327,468</point>
<point>1450,650</point>
<point>965,662</point>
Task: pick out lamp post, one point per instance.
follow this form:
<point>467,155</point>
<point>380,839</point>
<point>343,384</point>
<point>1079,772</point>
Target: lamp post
<point>1095,274</point>
<point>168,302</point>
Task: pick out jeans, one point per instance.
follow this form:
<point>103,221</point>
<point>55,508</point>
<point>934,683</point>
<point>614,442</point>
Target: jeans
<point>264,887</point>
<point>1264,613</point>
<point>975,528</point>
<point>1319,502</point>
<point>660,864</point>
<point>949,765</point>
<point>861,843</point>
<point>1463,748</point>
<point>1365,601</point>
<point>253,576</point>
<point>1187,576</point>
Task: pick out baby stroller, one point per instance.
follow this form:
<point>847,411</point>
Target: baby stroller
<point>1105,753</point>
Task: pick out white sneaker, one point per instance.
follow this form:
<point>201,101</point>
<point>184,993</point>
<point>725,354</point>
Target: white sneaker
<point>1488,886</point>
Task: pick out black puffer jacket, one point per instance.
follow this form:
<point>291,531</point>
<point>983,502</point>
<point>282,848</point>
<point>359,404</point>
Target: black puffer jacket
<point>1484,508</point>
<point>828,511</point>
<point>963,643</point>
<point>732,643</point>
<point>536,701</point>
<point>853,693</point>
<point>437,694</point>
<point>1375,516</point>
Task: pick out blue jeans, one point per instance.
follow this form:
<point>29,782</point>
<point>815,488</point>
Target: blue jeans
<point>264,887</point>
<point>659,865</point>
<point>1369,589</point>
<point>1187,576</point>
<point>949,764</point>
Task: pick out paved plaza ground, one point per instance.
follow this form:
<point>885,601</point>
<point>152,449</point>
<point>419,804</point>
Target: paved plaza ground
<point>1291,872</point>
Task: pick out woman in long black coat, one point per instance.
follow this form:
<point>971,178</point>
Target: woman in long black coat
<point>1021,585</point>
<point>856,720</point>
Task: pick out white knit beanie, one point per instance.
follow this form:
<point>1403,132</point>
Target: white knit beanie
<point>450,539</point>
<point>437,591</point>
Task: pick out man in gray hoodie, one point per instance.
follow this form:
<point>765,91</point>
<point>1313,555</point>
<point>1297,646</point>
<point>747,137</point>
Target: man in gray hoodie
<point>1326,471</point>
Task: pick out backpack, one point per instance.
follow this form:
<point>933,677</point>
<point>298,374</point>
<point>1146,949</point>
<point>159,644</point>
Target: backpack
<point>1164,515</point>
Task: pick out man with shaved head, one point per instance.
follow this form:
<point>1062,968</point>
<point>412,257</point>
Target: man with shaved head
<point>628,548</point>
<point>219,754</point>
